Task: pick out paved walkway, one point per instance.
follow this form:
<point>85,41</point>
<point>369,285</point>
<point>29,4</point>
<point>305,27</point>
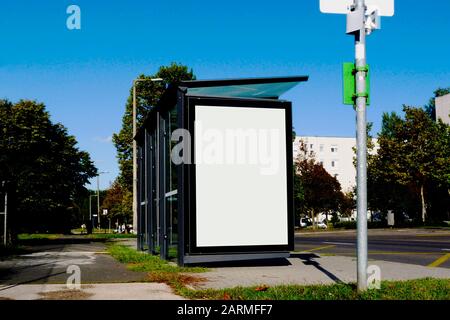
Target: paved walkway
<point>116,291</point>
<point>43,274</point>
<point>309,268</point>
<point>48,264</point>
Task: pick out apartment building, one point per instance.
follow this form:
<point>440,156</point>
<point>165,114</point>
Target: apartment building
<point>336,154</point>
<point>443,108</point>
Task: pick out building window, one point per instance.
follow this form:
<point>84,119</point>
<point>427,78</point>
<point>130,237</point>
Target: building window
<point>321,148</point>
<point>336,176</point>
<point>334,149</point>
<point>334,163</point>
<point>321,162</point>
<point>311,146</point>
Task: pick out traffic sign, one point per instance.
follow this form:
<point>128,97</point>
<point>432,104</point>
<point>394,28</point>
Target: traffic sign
<point>384,7</point>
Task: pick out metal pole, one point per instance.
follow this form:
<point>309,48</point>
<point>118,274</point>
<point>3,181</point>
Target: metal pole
<point>361,137</point>
<point>134,159</point>
<point>5,234</point>
<point>98,200</point>
<point>90,210</point>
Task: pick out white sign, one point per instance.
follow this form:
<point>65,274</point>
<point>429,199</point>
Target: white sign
<point>384,7</point>
<point>105,212</point>
<point>240,203</point>
<point>390,218</point>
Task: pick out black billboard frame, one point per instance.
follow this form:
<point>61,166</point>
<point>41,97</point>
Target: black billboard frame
<point>188,251</point>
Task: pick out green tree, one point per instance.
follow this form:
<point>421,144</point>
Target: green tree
<point>413,154</point>
<point>347,203</point>
<point>44,169</point>
<point>116,201</point>
<point>298,191</point>
<point>317,191</point>
<point>148,94</point>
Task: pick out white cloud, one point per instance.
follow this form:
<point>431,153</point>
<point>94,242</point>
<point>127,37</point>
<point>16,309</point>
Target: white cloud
<point>103,139</point>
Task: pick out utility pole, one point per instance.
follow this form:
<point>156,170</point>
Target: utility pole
<point>98,201</point>
<point>5,213</point>
<point>90,210</point>
<point>135,204</point>
<point>363,16</point>
<point>98,197</point>
<point>361,143</point>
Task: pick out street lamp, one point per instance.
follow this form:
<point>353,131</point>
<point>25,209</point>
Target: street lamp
<point>90,209</point>
<point>98,197</point>
<point>135,204</point>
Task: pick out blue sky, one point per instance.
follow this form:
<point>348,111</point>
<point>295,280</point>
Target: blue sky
<point>84,76</point>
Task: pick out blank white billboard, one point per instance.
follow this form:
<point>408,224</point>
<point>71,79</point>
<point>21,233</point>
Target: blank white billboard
<point>241,182</point>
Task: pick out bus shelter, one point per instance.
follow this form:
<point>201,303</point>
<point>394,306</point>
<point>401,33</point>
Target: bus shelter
<point>215,171</point>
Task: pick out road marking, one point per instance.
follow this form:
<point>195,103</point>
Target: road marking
<point>341,243</point>
<point>318,248</point>
<point>321,233</point>
<point>439,261</point>
<point>434,235</point>
<point>403,253</point>
<point>63,253</point>
<point>445,249</point>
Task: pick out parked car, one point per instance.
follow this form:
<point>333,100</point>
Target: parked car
<point>322,225</point>
<point>377,217</point>
<point>305,222</point>
<point>406,217</point>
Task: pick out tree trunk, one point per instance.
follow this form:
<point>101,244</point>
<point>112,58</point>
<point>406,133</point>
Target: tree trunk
<point>313,219</point>
<point>424,207</point>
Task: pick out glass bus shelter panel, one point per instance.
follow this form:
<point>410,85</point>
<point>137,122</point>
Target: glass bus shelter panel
<point>152,208</point>
<point>171,184</point>
<point>141,198</point>
<point>149,186</point>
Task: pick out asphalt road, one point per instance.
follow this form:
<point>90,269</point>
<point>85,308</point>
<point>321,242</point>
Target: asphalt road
<point>414,246</point>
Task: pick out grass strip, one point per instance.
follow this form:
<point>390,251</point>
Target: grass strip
<point>422,289</point>
<point>181,279</point>
<point>143,262</point>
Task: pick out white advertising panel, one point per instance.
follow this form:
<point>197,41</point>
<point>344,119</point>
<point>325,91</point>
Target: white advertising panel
<point>241,182</point>
<point>385,7</point>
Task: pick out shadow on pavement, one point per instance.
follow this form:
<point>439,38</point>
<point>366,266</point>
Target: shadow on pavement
<point>308,259</point>
<point>9,286</point>
<point>248,263</point>
<point>59,241</point>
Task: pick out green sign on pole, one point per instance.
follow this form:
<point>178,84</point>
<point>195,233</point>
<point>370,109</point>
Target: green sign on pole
<point>349,71</point>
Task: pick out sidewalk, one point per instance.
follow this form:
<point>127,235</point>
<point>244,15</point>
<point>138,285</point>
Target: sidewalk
<point>309,269</point>
<point>300,269</point>
<point>116,291</point>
